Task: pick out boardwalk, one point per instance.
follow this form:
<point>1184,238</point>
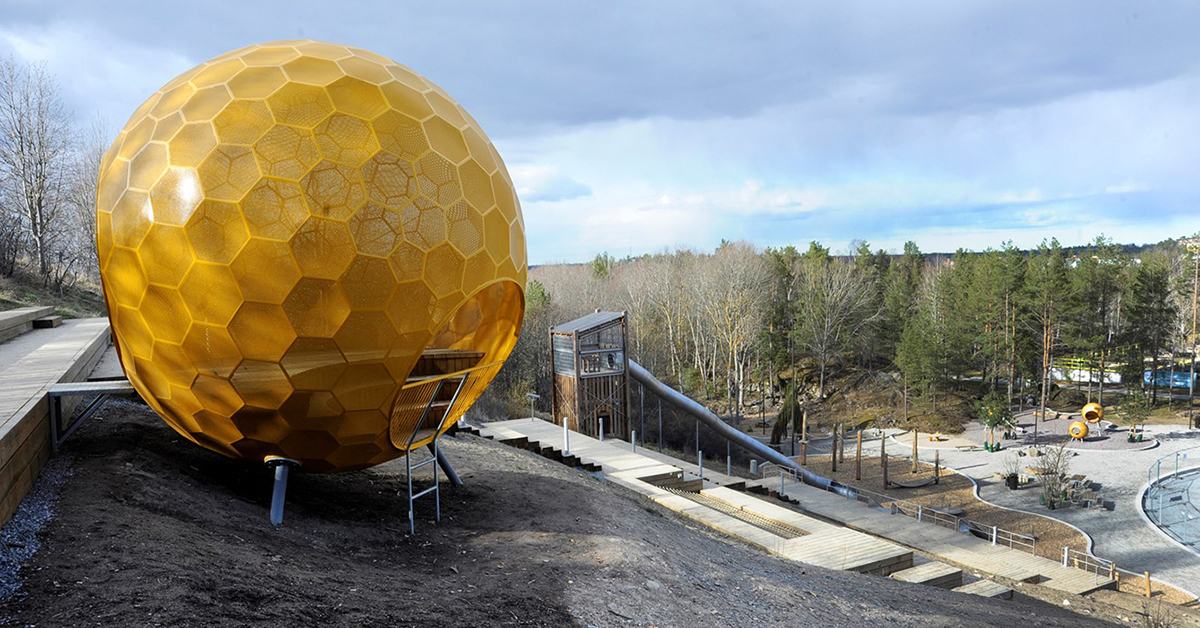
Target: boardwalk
<point>30,363</point>
<point>832,531</point>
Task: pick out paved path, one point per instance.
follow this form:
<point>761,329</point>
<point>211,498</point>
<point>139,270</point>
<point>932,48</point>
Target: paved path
<point>1121,535</point>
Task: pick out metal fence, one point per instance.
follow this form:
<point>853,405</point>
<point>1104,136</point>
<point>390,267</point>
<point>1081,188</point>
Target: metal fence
<point>1167,501</point>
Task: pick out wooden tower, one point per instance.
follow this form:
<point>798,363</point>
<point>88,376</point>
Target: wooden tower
<point>591,373</point>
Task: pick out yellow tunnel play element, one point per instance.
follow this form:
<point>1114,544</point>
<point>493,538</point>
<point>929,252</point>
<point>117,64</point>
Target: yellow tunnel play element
<point>1092,412</point>
<point>1078,430</point>
<point>297,240</point>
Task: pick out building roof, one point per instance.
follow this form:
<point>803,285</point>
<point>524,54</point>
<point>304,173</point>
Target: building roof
<point>587,322</point>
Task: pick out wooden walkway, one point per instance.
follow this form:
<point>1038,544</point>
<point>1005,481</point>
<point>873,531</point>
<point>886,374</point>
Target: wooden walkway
<point>815,542</point>
<point>946,545</point>
<point>836,533</point>
<point>29,364</point>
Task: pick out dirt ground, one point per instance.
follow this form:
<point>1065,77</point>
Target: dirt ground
<point>151,530</point>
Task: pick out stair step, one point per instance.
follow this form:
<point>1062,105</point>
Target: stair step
<point>932,574</point>
<point>46,322</point>
<point>986,588</point>
<point>13,323</point>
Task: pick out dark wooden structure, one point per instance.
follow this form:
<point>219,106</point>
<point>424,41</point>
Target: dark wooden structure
<point>591,373</point>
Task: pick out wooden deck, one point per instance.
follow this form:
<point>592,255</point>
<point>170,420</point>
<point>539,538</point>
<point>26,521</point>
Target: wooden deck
<point>946,545</point>
<point>932,574</point>
<point>29,364</point>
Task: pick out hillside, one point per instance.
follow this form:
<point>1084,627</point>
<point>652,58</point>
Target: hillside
<point>23,290</point>
<point>150,529</point>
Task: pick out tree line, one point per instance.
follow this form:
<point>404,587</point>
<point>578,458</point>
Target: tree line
<point>49,168</point>
<point>738,326</point>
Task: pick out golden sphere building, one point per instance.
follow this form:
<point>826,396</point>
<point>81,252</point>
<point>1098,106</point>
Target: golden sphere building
<point>305,249</point>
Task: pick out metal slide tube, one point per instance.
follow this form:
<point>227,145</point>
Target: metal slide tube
<point>732,434</point>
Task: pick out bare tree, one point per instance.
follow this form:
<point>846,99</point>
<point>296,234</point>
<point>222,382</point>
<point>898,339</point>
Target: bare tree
<point>734,290</point>
<point>81,199</point>
<point>35,134</point>
<point>834,304</point>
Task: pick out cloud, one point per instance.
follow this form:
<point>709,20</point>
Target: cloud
<point>545,184</point>
<point>953,124</point>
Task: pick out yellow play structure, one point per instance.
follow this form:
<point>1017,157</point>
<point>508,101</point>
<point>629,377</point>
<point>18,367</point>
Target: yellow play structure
<point>1078,430</point>
<point>1092,412</point>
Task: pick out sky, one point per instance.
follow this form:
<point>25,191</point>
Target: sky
<point>634,127</point>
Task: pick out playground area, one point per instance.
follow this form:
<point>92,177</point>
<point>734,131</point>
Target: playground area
<point>1054,429</point>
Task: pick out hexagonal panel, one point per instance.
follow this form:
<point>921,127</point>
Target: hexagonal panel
<point>316,307</point>
<point>191,144</point>
<point>323,248</point>
<point>274,209</point>
<point>438,179</point>
<point>261,384</point>
<point>265,271</point>
<point>261,331</point>
<point>228,172</point>
<point>444,270</point>
<point>400,135</point>
<point>346,140</point>
<point>389,180</point>
<point>376,230</point>
<point>212,350</point>
<point>424,223</point>
<point>314,363</point>
<point>368,283</point>
<point>165,314</point>
<point>357,97</point>
<point>286,152</point>
<point>243,121</point>
<point>165,254</point>
<point>211,293</point>
<point>217,232</point>
<point>333,190</point>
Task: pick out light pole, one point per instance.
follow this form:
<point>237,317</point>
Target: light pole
<point>532,397</point>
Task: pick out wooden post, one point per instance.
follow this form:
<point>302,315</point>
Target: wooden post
<point>858,457</point>
<point>914,457</point>
<point>1148,584</point>
<point>803,454</point>
<point>833,451</point>
<point>842,443</point>
<point>886,483</point>
<point>937,465</point>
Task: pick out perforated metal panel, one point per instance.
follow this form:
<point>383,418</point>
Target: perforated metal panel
<point>282,232</point>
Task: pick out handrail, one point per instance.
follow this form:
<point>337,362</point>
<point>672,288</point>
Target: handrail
<point>433,378</point>
<point>927,514</point>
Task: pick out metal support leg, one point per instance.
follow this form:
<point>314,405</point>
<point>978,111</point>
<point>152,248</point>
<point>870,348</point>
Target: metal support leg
<point>279,493</point>
<point>444,463</point>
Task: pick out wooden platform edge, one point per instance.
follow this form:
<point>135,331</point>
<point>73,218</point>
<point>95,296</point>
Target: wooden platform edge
<point>25,447</point>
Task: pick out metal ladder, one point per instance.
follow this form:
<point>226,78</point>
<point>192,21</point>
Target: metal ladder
<point>434,451</point>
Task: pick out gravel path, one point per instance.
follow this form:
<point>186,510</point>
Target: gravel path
<point>19,539</point>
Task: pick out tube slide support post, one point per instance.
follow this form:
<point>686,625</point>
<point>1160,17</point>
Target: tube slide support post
<point>633,440</point>
<point>566,437</point>
<point>602,429</point>
<point>994,535</point>
<point>281,466</point>
<point>700,462</point>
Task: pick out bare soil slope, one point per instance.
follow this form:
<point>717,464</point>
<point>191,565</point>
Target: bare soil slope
<point>151,530</point>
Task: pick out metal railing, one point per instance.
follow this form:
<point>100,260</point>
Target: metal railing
<point>922,513</point>
<point>1167,501</point>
